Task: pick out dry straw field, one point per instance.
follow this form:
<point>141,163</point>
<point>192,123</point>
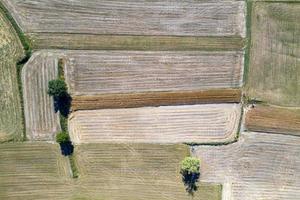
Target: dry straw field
<point>102,72</point>
<point>132,25</point>
<point>131,17</point>
<point>141,171</point>
<point>259,166</point>
<point>207,123</point>
<point>274,120</point>
<point>33,171</point>
<point>41,121</point>
<point>11,127</point>
<point>275,50</point>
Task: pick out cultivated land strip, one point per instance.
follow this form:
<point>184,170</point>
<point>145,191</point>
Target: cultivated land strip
<point>42,123</point>
<point>33,171</point>
<point>208,123</point>
<point>141,171</point>
<point>102,72</point>
<point>11,126</point>
<point>258,166</point>
<point>275,49</point>
<point>141,43</point>
<point>274,120</point>
<point>132,100</point>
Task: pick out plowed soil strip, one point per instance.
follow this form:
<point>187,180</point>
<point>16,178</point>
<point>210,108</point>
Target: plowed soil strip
<point>132,100</point>
<point>274,120</point>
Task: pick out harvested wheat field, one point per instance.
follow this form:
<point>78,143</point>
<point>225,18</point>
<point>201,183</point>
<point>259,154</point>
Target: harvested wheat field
<point>207,123</point>
<point>259,166</point>
<point>275,50</point>
<point>11,50</point>
<point>42,122</point>
<point>132,100</point>
<point>102,72</point>
<point>274,120</point>
<point>131,17</point>
<point>140,171</point>
<point>33,171</point>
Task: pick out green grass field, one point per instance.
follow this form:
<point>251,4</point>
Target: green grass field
<point>274,56</point>
<point>11,119</point>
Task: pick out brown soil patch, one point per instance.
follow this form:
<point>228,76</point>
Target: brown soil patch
<point>273,120</point>
<point>131,100</point>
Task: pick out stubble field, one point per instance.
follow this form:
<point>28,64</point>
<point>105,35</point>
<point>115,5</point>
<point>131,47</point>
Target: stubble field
<point>259,166</point>
<point>42,123</point>
<point>208,123</point>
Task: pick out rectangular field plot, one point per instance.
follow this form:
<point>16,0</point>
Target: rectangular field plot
<point>101,72</point>
<point>11,120</point>
<point>258,166</point>
<point>33,171</point>
<point>274,58</point>
<point>141,171</point>
<point>132,100</point>
<point>208,123</point>
<point>41,121</point>
<point>274,120</point>
<point>131,17</point>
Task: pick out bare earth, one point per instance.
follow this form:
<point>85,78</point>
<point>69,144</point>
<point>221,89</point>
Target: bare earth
<point>274,120</point>
<point>210,123</point>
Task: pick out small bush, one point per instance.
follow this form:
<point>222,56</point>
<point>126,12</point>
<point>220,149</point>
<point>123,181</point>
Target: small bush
<point>57,88</point>
<point>62,137</point>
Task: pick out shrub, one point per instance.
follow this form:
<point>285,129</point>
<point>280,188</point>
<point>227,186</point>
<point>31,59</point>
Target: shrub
<point>57,88</point>
<point>62,137</point>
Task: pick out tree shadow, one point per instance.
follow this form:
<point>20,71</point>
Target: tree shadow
<point>66,148</point>
<point>63,104</point>
<point>190,182</point>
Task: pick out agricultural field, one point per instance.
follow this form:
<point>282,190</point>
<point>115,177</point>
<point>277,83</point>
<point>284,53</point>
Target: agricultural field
<point>33,171</point>
<point>258,166</point>
<point>274,57</point>
<point>274,120</point>
<point>207,123</point>
<point>131,17</point>
<point>132,100</point>
<point>42,123</point>
<point>134,167</point>
<point>11,119</point>
<point>102,72</point>
<point>136,42</point>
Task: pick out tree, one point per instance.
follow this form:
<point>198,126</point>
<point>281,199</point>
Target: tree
<point>190,171</point>
<point>66,145</point>
<point>62,137</point>
<point>57,88</point>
